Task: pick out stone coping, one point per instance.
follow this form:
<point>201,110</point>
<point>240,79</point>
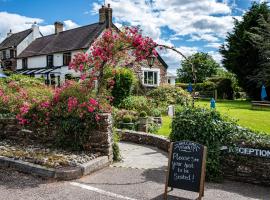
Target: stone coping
<point>160,142</point>
<point>66,173</point>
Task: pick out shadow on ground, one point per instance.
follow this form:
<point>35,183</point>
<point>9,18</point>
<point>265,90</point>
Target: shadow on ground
<point>12,179</point>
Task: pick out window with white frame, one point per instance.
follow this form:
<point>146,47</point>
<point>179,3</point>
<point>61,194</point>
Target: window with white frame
<point>150,77</point>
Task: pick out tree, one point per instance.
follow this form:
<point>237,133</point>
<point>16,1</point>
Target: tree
<point>261,40</point>
<point>240,56</point>
<point>205,66</point>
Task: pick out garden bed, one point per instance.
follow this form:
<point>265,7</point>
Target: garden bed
<point>47,157</point>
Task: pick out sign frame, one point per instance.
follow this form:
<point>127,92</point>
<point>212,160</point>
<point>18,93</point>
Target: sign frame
<point>203,171</point>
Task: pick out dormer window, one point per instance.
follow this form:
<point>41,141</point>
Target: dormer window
<point>50,61</point>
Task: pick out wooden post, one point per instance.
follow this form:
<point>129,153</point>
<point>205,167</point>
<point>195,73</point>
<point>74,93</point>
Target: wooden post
<point>168,171</point>
<point>201,193</point>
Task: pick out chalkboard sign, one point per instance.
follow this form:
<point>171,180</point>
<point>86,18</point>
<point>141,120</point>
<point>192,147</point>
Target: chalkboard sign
<point>186,168</point>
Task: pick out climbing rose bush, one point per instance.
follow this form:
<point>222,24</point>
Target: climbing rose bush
<point>112,49</point>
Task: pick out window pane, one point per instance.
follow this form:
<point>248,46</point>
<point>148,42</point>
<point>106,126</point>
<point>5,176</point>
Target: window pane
<point>66,58</point>
<point>150,78</point>
<point>50,60</point>
<point>145,78</point>
<point>155,78</point>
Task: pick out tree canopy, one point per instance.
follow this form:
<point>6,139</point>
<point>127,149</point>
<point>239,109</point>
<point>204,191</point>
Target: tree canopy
<point>205,66</point>
<point>241,54</point>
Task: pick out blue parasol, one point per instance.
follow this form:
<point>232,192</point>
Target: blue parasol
<point>189,89</point>
<point>263,93</point>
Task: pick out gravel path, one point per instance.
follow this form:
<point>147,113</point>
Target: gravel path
<point>130,180</point>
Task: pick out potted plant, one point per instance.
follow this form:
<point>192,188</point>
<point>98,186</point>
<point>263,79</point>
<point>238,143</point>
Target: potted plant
<point>127,122</point>
<point>156,114</point>
<point>143,119</point>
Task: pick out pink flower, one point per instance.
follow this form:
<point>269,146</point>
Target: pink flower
<point>93,102</point>
<point>91,109</point>
<point>72,103</point>
<point>25,108</point>
<point>45,104</point>
<point>97,117</point>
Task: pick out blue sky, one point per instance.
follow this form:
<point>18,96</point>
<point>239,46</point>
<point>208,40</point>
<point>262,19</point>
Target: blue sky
<point>189,25</point>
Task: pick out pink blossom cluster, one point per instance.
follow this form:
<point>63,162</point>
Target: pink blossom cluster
<point>72,103</point>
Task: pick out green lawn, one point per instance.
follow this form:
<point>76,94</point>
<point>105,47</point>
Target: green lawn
<point>165,129</point>
<point>241,111</point>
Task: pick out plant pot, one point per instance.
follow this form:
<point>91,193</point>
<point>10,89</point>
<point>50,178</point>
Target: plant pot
<point>157,120</point>
<point>129,126</point>
<point>143,120</point>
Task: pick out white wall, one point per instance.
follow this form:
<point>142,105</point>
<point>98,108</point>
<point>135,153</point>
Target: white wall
<point>19,63</point>
<point>172,80</point>
<point>29,39</point>
<point>58,59</point>
<point>37,62</point>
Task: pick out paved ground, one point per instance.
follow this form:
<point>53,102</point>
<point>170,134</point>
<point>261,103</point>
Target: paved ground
<point>145,180</point>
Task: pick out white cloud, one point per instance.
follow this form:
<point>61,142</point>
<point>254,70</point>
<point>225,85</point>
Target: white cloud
<point>69,24</point>
<point>216,56</point>
<point>18,23</point>
<point>204,37</point>
<point>15,22</point>
<point>201,20</point>
<point>214,45</point>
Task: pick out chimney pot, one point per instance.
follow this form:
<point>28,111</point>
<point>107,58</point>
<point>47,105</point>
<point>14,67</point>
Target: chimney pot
<point>9,33</point>
<point>105,16</point>
<point>58,27</point>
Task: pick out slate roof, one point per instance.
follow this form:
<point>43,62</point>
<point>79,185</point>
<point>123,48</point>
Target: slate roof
<point>15,39</point>
<point>73,39</point>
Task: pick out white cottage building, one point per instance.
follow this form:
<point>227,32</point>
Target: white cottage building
<point>14,44</point>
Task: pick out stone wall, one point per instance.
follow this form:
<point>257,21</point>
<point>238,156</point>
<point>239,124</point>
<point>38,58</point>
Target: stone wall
<point>144,138</point>
<point>100,139</point>
<point>243,168</point>
<point>247,169</point>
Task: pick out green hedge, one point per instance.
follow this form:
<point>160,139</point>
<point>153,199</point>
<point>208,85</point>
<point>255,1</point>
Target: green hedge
<point>209,128</point>
<point>222,85</point>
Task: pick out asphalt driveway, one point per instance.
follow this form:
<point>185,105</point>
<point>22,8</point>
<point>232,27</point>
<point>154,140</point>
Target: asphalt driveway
<point>141,175</point>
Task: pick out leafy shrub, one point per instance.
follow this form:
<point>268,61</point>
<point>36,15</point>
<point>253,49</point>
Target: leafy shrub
<point>137,103</point>
<point>205,86</point>
<point>118,116</point>
<point>127,119</point>
<point>207,127</point>
<point>124,80</point>
<point>156,113</point>
<point>116,149</point>
<point>224,87</point>
<point>143,114</point>
<point>72,112</point>
<point>153,127</point>
<point>164,96</point>
<point>18,90</point>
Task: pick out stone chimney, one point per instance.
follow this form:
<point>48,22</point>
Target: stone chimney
<point>35,29</point>
<point>58,27</point>
<point>9,33</point>
<point>105,15</point>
